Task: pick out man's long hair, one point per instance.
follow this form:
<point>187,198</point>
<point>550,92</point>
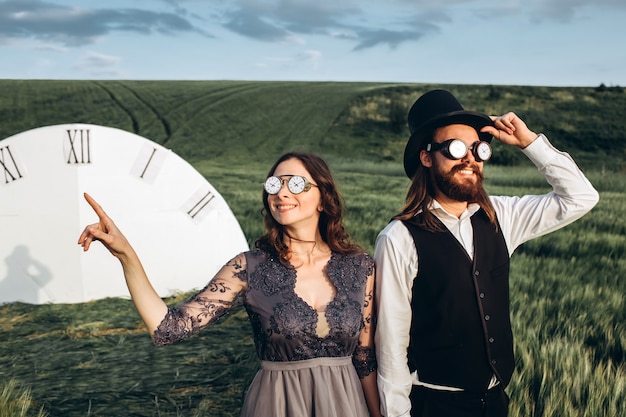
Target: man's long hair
<point>330,225</point>
<point>420,196</point>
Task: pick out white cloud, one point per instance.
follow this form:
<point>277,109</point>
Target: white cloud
<point>99,65</point>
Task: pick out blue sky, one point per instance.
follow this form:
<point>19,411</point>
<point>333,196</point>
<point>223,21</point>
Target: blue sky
<point>516,42</point>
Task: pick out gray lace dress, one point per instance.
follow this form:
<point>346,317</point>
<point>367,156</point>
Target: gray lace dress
<point>311,361</point>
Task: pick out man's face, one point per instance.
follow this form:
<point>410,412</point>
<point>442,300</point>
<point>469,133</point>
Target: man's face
<point>459,180</point>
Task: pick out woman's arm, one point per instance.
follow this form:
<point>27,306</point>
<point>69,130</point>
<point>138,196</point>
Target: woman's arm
<point>365,355</point>
<point>149,305</point>
<point>166,325</point>
<point>206,306</point>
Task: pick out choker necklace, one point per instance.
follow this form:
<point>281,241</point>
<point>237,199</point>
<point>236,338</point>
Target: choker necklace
<point>300,240</point>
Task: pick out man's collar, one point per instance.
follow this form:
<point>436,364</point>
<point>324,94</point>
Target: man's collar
<point>439,211</point>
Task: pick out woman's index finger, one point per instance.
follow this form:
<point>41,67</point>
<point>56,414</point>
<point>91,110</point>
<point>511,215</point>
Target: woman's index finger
<point>95,206</point>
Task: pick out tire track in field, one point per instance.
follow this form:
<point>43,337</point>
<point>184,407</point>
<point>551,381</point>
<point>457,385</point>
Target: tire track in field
<point>312,109</point>
<point>197,106</point>
<point>217,97</point>
<point>167,130</point>
<point>292,113</point>
<point>277,114</point>
<point>112,96</point>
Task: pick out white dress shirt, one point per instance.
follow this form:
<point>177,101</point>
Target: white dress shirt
<point>521,219</point>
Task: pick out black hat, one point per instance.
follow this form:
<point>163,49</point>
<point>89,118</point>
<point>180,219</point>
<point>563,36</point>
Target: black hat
<point>437,108</point>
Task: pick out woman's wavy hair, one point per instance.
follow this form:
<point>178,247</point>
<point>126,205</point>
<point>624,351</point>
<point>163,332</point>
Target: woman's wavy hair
<point>421,194</point>
<point>330,225</point>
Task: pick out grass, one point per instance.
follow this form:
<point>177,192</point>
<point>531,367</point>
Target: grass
<point>96,359</point>
<point>16,401</point>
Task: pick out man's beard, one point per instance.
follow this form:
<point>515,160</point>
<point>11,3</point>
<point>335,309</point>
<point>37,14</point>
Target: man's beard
<point>460,190</point>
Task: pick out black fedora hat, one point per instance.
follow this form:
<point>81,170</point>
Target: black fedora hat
<point>434,109</point>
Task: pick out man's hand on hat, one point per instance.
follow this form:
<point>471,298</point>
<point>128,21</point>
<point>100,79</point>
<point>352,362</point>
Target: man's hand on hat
<point>510,129</point>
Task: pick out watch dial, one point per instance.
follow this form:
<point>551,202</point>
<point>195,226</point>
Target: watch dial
<point>457,149</point>
<point>483,150</point>
<point>273,185</point>
<point>296,184</point>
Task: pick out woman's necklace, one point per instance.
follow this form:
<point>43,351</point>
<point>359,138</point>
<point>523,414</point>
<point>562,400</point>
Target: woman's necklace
<point>308,253</point>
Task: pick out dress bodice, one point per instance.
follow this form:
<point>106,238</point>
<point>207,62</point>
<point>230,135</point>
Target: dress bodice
<point>284,325</point>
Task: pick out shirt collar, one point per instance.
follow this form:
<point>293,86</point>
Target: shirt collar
<point>441,213</point>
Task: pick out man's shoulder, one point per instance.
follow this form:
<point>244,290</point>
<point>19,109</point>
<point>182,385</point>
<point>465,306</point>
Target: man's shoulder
<point>393,228</point>
<point>394,234</point>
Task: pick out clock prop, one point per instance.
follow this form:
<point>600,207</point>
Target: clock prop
<point>179,224</point>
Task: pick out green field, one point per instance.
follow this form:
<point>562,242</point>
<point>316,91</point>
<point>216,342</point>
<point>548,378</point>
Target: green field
<point>240,122</point>
<point>568,289</point>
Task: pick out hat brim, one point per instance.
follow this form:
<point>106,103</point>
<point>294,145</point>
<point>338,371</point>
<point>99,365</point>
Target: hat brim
<point>464,117</point>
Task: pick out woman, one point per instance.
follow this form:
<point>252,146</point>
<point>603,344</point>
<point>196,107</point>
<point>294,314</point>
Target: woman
<point>308,291</point>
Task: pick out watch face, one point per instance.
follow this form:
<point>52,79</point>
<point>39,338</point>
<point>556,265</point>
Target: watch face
<point>296,184</point>
<point>169,212</point>
<point>273,185</point>
<point>483,151</point>
<point>457,149</point>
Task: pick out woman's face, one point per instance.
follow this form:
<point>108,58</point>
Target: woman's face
<point>295,210</point>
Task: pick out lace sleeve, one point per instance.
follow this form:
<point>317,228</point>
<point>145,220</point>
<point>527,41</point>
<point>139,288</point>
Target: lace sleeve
<point>206,306</point>
<point>364,356</point>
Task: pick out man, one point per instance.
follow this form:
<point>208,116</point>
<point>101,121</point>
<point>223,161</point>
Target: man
<point>444,341</point>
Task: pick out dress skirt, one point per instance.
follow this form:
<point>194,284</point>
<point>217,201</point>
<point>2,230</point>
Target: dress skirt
<point>320,387</point>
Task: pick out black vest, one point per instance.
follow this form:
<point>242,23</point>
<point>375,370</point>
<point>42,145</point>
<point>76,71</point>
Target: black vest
<point>460,329</point>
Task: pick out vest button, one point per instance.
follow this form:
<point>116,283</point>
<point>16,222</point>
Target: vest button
<point>493,361</point>
<point>491,340</point>
<point>487,317</point>
<point>482,295</point>
<point>476,273</point>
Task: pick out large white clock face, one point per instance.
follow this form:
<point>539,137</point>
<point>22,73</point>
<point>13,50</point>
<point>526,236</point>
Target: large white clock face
<point>179,224</point>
